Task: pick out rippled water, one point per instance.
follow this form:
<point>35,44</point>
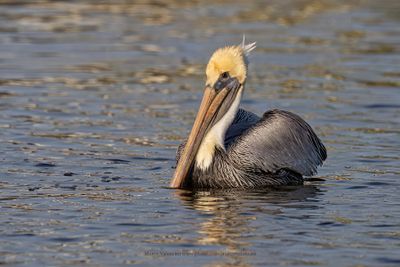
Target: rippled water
<point>95,98</point>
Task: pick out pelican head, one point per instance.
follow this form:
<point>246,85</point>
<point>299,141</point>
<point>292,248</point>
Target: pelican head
<point>226,75</point>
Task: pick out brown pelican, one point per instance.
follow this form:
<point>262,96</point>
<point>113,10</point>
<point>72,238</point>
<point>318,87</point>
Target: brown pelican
<point>229,147</point>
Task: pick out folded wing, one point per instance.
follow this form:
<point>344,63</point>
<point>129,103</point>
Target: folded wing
<point>279,140</point>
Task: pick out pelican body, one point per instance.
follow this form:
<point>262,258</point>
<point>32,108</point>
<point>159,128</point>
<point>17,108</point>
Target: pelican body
<point>229,147</point>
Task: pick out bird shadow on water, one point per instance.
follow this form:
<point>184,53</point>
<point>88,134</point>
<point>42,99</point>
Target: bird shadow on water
<point>230,219</point>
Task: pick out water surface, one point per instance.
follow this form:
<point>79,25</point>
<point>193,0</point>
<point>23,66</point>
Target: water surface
<point>95,98</point>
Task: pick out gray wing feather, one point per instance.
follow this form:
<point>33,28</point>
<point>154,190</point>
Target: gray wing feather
<point>280,140</point>
<point>243,121</point>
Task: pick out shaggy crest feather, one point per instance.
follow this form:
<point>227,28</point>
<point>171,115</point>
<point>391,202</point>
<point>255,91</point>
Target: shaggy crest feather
<point>231,59</point>
<point>247,48</point>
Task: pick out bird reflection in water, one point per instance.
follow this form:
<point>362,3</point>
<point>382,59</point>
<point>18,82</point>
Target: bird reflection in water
<point>228,214</point>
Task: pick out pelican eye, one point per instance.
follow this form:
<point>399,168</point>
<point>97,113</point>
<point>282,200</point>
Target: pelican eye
<point>222,81</point>
<point>225,75</point>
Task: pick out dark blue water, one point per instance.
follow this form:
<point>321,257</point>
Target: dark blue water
<point>95,98</point>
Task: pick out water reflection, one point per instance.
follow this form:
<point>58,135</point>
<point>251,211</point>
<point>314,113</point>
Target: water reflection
<point>228,214</point>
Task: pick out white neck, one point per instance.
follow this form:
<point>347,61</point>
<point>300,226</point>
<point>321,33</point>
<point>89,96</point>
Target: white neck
<point>216,135</point>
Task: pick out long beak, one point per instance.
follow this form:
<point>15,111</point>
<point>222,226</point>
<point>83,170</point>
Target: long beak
<point>213,106</point>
